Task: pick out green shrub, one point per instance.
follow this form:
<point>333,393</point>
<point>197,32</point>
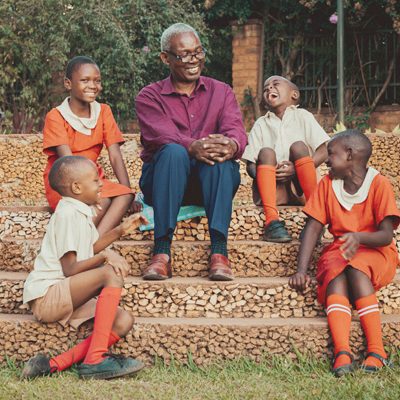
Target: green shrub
<point>37,37</point>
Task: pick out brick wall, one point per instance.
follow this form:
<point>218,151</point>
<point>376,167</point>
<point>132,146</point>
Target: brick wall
<point>247,48</point>
<point>384,118</point>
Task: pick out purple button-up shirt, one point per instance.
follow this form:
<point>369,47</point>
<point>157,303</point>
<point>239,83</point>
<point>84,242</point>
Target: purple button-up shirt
<point>166,116</point>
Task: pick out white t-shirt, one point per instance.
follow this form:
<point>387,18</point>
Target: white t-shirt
<point>278,134</point>
<point>70,228</point>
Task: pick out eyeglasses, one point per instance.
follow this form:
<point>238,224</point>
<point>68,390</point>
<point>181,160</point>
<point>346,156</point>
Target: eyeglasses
<point>187,57</point>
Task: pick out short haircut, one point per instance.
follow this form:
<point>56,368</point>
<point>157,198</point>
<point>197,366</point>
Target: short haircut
<point>174,30</point>
<point>75,63</point>
<point>65,170</point>
<point>292,85</point>
<point>357,141</point>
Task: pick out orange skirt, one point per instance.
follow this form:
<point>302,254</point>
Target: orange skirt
<point>109,189</point>
<point>378,263</point>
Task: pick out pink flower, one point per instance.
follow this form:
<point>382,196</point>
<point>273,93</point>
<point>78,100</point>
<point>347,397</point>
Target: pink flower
<point>146,49</point>
<point>333,18</point>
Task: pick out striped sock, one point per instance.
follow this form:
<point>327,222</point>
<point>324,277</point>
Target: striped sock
<point>339,321</point>
<point>370,319</point>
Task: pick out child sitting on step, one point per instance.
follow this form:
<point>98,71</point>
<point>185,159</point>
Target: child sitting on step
<point>72,268</point>
<point>358,205</point>
<point>286,145</point>
<point>80,126</point>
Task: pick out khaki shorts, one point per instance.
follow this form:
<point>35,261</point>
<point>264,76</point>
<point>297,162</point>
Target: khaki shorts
<point>288,193</point>
<point>56,306</point>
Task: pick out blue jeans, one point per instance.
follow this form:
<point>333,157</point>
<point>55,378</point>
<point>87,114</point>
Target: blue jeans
<point>173,179</point>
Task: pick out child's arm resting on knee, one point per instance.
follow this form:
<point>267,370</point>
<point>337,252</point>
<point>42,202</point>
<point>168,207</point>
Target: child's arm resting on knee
<point>320,155</point>
<point>382,237</point>
<point>300,280</point>
<point>125,228</point>
<point>72,267</point>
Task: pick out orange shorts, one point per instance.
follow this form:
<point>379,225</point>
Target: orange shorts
<point>56,306</point>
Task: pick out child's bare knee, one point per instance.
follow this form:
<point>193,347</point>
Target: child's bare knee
<point>266,156</point>
<point>298,150</point>
<point>123,323</point>
<point>111,278</point>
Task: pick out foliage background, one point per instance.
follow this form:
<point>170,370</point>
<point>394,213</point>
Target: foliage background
<point>38,37</point>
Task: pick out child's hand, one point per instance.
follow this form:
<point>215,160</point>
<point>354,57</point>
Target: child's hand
<point>119,264</point>
<point>350,246</point>
<point>132,222</point>
<point>285,171</point>
<point>135,207</point>
<point>299,281</point>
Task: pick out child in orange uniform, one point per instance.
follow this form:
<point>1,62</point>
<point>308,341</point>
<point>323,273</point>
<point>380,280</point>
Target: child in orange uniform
<point>72,269</point>
<point>286,145</point>
<point>358,205</point>
<point>81,126</point>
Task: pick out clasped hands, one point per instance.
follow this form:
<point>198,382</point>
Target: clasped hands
<point>285,171</point>
<point>213,148</point>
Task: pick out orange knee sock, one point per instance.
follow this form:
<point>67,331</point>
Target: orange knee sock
<point>266,183</point>
<point>77,353</point>
<point>339,321</point>
<point>306,174</point>
<point>370,318</point>
<point>106,309</point>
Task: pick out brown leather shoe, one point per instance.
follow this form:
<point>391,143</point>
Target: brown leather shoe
<point>219,269</point>
<point>158,269</point>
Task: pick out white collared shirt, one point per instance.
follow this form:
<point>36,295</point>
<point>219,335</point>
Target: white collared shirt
<point>70,228</point>
<point>297,124</point>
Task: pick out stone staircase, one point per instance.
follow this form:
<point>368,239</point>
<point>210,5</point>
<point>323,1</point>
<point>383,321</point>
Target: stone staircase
<point>186,317</point>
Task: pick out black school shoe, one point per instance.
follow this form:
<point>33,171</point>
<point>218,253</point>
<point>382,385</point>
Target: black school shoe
<point>276,232</point>
<point>371,369</point>
<point>113,366</point>
<point>343,369</point>
<point>36,366</point>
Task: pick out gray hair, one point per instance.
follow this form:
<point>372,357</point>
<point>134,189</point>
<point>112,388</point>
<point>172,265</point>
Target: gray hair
<point>173,30</point>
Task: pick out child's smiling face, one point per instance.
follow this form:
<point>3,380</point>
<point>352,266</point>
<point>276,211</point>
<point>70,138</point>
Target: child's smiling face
<point>85,83</point>
<point>278,91</point>
<point>89,185</point>
<point>338,159</point>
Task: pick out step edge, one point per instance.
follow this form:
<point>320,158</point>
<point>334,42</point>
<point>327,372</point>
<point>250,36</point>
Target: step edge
<point>271,281</point>
<point>228,322</point>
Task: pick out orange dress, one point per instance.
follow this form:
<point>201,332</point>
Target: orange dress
<point>57,131</point>
<point>378,263</point>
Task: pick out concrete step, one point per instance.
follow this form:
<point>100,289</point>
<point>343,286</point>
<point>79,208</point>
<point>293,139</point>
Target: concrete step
<point>189,259</point>
<point>201,340</point>
<point>22,163</point>
<point>199,297</point>
<point>247,224</point>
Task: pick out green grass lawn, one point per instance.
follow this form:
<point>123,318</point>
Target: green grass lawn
<point>276,378</point>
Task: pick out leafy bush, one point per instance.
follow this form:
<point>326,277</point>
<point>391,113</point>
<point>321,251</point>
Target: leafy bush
<point>37,37</point>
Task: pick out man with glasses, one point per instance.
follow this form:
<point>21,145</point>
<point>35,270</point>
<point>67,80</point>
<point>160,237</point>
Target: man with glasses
<point>192,133</point>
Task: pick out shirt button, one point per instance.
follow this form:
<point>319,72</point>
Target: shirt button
<point>191,115</point>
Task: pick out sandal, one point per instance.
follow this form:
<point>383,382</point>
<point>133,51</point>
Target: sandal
<point>343,369</point>
<point>371,368</point>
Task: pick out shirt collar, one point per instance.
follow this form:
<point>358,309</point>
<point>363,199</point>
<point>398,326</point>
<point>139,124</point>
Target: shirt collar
<point>291,108</point>
<point>168,87</point>
<point>78,205</point>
